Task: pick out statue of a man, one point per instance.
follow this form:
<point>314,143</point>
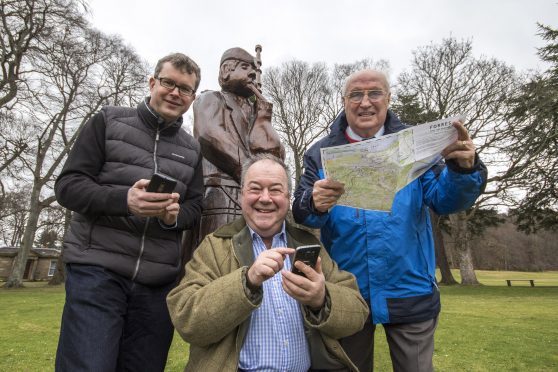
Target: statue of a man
<point>231,125</point>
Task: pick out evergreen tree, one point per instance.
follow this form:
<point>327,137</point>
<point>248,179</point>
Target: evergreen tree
<point>535,115</point>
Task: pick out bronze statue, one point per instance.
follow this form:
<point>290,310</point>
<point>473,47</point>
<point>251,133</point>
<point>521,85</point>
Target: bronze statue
<point>231,125</point>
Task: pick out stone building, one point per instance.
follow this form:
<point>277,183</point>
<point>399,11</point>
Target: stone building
<point>41,263</point>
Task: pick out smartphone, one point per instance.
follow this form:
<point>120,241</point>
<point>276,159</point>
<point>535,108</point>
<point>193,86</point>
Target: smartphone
<point>307,254</point>
<point>161,183</point>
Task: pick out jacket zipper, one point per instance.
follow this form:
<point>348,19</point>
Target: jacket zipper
<point>142,244</point>
<point>432,279</point>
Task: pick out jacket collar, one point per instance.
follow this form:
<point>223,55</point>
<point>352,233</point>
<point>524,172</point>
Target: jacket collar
<point>241,123</point>
<point>153,119</point>
<point>239,232</point>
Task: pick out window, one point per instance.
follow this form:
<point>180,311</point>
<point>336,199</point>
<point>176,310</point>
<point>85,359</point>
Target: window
<point>52,267</point>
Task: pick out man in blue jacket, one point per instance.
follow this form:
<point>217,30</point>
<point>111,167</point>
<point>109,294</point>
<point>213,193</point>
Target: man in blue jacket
<point>390,253</point>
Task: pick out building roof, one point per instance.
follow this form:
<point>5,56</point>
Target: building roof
<point>38,252</point>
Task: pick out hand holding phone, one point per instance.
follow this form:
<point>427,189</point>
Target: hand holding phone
<point>308,290</point>
<point>161,183</point>
<point>308,254</point>
<point>145,203</point>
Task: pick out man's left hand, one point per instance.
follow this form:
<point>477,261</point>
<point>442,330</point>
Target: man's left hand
<point>462,150</point>
<point>309,290</point>
<point>170,215</point>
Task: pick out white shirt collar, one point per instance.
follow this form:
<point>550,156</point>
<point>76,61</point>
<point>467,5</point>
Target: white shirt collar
<point>280,235</point>
<point>352,135</point>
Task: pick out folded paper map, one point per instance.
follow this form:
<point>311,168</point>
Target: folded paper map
<point>374,170</point>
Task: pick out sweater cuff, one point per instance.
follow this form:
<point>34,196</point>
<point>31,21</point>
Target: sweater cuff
<point>316,318</point>
<point>117,203</point>
<point>164,226</point>
<point>255,295</point>
<point>455,167</point>
<point>310,203</point>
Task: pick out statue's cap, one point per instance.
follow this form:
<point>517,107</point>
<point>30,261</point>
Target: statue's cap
<point>239,54</point>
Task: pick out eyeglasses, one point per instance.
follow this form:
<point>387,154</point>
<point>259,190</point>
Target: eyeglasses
<point>170,85</point>
<point>373,95</point>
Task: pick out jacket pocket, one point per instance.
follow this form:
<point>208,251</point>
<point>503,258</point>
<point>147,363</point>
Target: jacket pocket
<point>320,357</point>
<point>347,215</point>
<point>90,233</point>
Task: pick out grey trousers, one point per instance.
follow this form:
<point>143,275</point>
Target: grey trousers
<point>411,346</point>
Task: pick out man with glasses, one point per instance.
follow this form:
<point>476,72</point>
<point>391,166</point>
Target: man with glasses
<point>390,253</point>
<point>232,125</point>
<point>122,250</point>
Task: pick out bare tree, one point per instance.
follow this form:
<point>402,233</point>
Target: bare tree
<point>298,92</point>
<point>306,99</point>
<point>13,143</point>
<point>24,24</point>
<point>51,226</point>
<point>13,216</point>
<point>448,80</point>
<point>80,71</point>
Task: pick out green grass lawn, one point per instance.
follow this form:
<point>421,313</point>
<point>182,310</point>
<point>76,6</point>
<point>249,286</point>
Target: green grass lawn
<point>485,328</point>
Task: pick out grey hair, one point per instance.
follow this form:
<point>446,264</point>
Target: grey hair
<point>351,76</point>
<point>265,156</point>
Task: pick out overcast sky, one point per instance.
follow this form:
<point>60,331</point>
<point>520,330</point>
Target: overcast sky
<point>332,31</point>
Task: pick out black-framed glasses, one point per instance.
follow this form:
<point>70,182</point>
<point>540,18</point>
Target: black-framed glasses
<point>170,85</point>
<point>356,96</point>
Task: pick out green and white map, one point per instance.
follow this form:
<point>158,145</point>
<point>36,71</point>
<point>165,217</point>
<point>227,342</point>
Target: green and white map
<point>374,170</point>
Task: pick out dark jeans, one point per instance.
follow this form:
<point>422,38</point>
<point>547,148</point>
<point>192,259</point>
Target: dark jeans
<point>110,323</point>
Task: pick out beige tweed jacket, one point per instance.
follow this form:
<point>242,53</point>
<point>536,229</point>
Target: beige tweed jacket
<point>211,306</point>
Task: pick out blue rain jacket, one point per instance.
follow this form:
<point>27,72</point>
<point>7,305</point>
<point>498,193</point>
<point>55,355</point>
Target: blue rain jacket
<point>390,253</point>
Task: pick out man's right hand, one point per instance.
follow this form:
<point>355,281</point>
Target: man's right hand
<point>267,264</point>
<point>148,204</point>
<point>326,193</point>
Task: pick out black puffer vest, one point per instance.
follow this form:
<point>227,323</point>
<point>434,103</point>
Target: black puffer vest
<point>135,247</point>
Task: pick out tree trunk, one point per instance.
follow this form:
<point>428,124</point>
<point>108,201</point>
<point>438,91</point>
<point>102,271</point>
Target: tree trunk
<point>297,161</point>
<point>441,257</point>
<point>462,238</point>
<point>468,276</point>
<point>15,280</point>
<point>59,276</point>
<point>298,174</point>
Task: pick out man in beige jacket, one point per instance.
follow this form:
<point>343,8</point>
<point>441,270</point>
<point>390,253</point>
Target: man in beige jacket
<point>239,305</point>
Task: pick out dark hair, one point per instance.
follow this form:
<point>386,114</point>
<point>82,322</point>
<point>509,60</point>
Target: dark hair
<point>265,156</point>
<point>182,63</point>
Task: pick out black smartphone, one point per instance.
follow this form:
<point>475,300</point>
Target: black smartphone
<point>161,183</point>
<point>308,254</point>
